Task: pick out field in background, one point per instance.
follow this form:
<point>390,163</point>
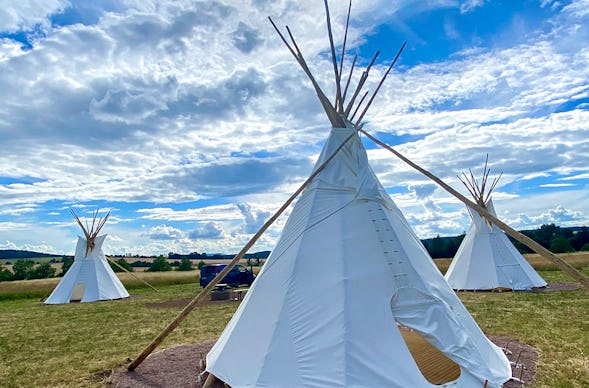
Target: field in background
<point>579,260</point>
<point>57,266</point>
<point>74,344</point>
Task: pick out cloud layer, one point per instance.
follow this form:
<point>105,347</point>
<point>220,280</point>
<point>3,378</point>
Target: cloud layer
<point>195,122</point>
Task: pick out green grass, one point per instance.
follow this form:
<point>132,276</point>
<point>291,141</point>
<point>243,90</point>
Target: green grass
<point>66,345</point>
<point>553,322</point>
<point>71,345</point>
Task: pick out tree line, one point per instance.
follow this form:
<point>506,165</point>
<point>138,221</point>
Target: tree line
<point>26,269</point>
<point>550,236</point>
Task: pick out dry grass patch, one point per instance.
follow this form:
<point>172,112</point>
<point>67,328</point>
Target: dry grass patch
<point>40,288</point>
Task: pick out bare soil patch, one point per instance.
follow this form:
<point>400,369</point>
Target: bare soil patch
<point>181,303</point>
<point>559,286</point>
<point>523,359</point>
<point>180,366</point>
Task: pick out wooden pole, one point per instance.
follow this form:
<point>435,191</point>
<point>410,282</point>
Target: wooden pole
<point>338,89</point>
<point>190,306</point>
<point>533,245</point>
<point>384,77</point>
<point>334,118</point>
<point>131,273</point>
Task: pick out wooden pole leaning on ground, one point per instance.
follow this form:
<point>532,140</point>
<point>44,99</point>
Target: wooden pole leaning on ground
<point>190,306</point>
<point>533,245</point>
<point>131,273</point>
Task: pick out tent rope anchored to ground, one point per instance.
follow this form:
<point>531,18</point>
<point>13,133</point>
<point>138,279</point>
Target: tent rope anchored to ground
<point>346,273</point>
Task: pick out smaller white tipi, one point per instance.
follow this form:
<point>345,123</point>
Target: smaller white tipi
<point>486,258</point>
<point>90,278</point>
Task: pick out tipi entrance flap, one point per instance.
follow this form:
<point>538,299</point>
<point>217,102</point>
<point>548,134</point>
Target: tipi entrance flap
<point>437,323</point>
<point>78,292</point>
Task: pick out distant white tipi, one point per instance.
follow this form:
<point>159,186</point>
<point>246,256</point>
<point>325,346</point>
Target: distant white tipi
<point>90,278</point>
<point>486,258</point>
<point>347,269</point>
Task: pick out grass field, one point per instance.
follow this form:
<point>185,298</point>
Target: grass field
<point>72,345</point>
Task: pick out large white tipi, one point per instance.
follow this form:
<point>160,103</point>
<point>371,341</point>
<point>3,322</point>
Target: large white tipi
<point>486,259</point>
<point>348,270</point>
<point>90,278</point>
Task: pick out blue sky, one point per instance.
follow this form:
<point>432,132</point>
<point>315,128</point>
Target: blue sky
<point>192,123</point>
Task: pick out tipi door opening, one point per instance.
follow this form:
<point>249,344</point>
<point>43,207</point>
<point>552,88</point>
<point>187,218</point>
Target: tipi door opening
<point>78,292</point>
<point>434,365</point>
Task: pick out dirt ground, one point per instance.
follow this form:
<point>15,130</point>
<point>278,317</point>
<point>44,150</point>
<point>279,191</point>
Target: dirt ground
<point>559,286</point>
<point>180,366</point>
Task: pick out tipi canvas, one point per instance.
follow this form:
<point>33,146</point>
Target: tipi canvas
<point>90,273</point>
<point>346,271</point>
<point>487,260</point>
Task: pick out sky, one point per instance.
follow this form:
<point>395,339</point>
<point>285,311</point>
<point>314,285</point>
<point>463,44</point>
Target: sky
<point>192,123</point>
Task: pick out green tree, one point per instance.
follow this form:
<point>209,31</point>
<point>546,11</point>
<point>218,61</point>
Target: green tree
<point>42,271</point>
<point>123,263</point>
<point>546,233</point>
<point>159,265</point>
<point>67,263</point>
<point>580,238</point>
<point>560,244</point>
<point>22,268</point>
<point>585,248</point>
<point>5,274</point>
<point>201,264</point>
<point>438,248</point>
<point>185,264</point>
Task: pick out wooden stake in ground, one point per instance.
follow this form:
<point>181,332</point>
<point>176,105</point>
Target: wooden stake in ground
<point>132,274</point>
<point>533,245</point>
<point>154,344</point>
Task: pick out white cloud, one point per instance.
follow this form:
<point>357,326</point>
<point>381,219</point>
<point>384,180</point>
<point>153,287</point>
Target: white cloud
<point>210,230</point>
<point>575,177</point>
<point>164,232</point>
<point>164,103</point>
<point>12,226</point>
<point>559,216</point>
<point>469,5</point>
<point>557,185</point>
<point>219,212</point>
<point>254,217</point>
<point>23,15</point>
<point>577,8</point>
<point>18,209</point>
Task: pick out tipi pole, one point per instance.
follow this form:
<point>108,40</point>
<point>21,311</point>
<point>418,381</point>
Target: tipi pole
<point>131,273</point>
<point>533,245</point>
<point>190,306</point>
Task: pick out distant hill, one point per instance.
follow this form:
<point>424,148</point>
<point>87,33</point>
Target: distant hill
<point>217,256</point>
<point>16,254</point>
<point>550,236</point>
